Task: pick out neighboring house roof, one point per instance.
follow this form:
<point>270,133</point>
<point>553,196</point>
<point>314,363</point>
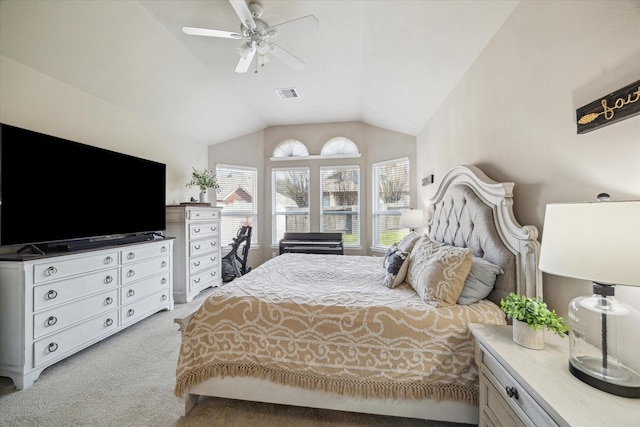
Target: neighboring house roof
<point>236,195</point>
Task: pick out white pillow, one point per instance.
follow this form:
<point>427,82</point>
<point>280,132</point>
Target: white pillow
<point>408,242</point>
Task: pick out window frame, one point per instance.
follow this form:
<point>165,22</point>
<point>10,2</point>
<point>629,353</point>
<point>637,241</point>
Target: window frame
<point>358,242</point>
<point>253,214</point>
<point>376,213</point>
<point>274,214</point>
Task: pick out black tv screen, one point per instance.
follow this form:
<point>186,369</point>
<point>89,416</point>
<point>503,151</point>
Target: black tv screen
<point>53,189</point>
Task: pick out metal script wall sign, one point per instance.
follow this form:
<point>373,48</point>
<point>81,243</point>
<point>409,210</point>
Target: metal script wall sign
<point>616,106</point>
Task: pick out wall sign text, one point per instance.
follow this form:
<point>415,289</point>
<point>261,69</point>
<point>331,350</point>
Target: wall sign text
<point>616,106</point>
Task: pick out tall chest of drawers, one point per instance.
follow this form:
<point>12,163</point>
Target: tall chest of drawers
<point>197,255</point>
<point>54,306</point>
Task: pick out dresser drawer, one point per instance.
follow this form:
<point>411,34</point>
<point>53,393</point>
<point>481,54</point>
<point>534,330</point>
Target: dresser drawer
<point>526,408</point>
<point>203,214</point>
<point>57,269</point>
<point>56,293</point>
<point>144,306</point>
<point>139,289</point>
<point>200,231</point>
<point>494,410</point>
<point>140,270</point>
<point>68,340</point>
<point>204,279</point>
<point>138,253</point>
<point>60,317</point>
<point>202,247</point>
<point>203,262</point>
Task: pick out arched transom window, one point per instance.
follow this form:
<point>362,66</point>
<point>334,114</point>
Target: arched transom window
<point>339,146</point>
<point>290,148</point>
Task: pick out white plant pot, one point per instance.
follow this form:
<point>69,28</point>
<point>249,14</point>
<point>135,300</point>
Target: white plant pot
<point>526,336</point>
<point>204,197</point>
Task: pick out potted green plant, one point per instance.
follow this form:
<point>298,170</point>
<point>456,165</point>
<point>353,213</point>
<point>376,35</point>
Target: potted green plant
<point>531,317</point>
<point>203,179</point>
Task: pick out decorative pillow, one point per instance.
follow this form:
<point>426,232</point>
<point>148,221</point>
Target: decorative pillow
<point>438,272</point>
<point>395,263</point>
<point>480,281</point>
<point>408,242</point>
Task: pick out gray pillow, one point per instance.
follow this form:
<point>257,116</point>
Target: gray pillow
<point>480,281</point>
<point>395,263</point>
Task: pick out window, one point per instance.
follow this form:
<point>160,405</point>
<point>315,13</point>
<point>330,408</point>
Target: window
<point>290,148</point>
<point>339,146</point>
<point>237,194</point>
<point>290,201</point>
<point>391,196</point>
<point>340,202</point>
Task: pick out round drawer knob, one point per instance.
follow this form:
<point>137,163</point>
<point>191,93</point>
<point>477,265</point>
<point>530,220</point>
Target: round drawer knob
<point>52,347</point>
<point>131,273</point>
<point>130,312</point>
<point>131,255</point>
<point>163,298</point>
<point>52,320</point>
<point>51,294</point>
<point>108,260</point>
<point>164,249</point>
<point>108,301</point>
<point>163,281</point>
<point>108,279</point>
<point>50,271</point>
<point>108,322</point>
<point>512,392</point>
<point>131,292</point>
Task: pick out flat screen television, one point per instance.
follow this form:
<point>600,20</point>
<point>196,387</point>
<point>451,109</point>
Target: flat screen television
<point>56,193</point>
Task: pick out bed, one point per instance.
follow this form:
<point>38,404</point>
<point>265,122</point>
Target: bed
<point>343,333</point>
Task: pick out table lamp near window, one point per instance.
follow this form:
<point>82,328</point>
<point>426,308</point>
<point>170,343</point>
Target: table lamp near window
<point>412,219</point>
<point>600,242</point>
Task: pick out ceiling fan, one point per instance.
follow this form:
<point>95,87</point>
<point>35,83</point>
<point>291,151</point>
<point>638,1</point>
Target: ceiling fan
<point>258,35</point>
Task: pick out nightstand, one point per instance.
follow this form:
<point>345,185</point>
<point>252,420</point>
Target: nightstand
<point>523,387</point>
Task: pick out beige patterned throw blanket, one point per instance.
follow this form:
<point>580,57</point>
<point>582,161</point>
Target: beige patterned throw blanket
<point>327,322</point>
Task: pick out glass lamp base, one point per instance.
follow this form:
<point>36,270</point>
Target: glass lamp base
<point>618,380</point>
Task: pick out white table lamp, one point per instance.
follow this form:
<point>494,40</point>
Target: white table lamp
<point>600,242</point>
<point>412,219</point>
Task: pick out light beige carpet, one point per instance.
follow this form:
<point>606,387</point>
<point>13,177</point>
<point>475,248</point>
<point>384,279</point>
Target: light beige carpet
<point>128,380</point>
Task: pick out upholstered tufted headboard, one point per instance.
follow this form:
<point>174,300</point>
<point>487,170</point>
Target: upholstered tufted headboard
<point>471,210</point>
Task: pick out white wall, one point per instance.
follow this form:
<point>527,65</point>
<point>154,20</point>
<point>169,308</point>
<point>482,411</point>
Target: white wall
<point>514,115</point>
<point>35,101</point>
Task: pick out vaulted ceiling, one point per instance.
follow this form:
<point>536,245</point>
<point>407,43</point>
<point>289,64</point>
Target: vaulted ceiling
<point>387,63</point>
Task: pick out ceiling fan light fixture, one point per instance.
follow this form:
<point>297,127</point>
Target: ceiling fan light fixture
<point>263,47</point>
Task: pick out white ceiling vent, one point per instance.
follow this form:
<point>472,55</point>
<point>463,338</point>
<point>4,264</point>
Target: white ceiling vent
<point>288,93</point>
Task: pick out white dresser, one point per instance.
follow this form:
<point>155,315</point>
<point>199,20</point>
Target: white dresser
<point>197,257</point>
<point>524,387</point>
<point>53,306</point>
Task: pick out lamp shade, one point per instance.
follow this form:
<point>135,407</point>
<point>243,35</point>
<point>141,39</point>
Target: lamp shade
<point>596,241</point>
<point>412,219</point>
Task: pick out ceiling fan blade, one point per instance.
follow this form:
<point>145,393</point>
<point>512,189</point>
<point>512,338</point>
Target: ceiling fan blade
<point>243,12</point>
<point>299,25</point>
<point>245,61</point>
<point>285,57</point>
<point>192,31</point>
